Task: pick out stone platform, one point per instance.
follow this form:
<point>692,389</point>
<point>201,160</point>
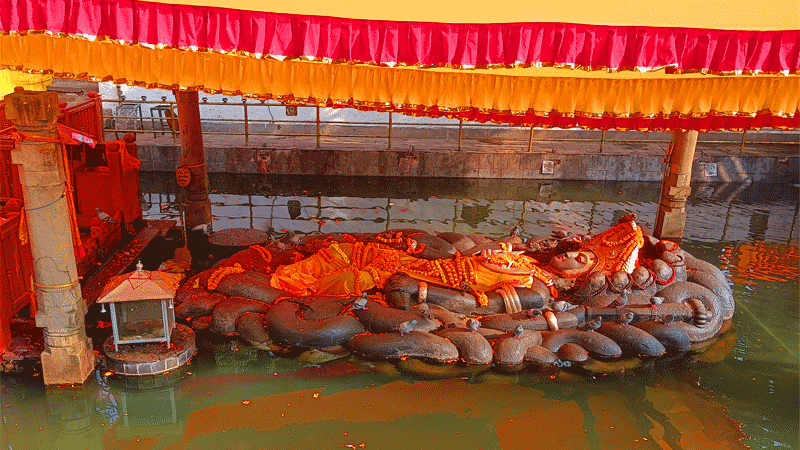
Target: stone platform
<point>151,359</point>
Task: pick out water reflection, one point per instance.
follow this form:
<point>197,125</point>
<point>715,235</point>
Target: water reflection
<point>358,406</point>
<point>718,212</point>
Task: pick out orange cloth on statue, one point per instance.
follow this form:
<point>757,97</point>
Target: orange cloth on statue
<point>328,272</point>
<point>334,270</point>
<point>618,247</point>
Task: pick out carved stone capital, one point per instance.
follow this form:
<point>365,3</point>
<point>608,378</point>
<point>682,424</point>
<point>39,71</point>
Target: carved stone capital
<point>33,110</point>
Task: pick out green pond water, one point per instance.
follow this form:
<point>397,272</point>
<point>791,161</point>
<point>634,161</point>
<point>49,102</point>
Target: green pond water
<point>742,392</point>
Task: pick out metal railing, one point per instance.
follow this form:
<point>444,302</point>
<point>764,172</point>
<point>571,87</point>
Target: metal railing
<point>246,123</point>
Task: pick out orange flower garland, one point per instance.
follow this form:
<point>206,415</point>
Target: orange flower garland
<point>451,272</point>
<point>338,251</point>
<point>221,273</point>
<point>516,264</point>
<point>397,239</point>
<point>262,251</point>
<point>483,300</point>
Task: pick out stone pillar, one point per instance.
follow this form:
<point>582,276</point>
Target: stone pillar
<point>68,357</point>
<point>675,189</point>
<point>197,220</point>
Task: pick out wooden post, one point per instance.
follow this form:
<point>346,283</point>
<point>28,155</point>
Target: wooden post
<point>197,222</point>
<point>675,189</point>
<point>67,357</point>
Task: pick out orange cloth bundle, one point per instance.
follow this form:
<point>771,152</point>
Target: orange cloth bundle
<point>346,269</point>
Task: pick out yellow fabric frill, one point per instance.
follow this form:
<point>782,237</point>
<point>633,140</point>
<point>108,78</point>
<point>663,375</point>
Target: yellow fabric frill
<point>542,91</point>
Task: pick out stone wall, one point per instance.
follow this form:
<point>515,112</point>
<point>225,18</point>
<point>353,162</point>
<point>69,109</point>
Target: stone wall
<point>709,166</point>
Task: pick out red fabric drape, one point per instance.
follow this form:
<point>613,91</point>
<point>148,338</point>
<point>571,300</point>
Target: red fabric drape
<point>410,43</point>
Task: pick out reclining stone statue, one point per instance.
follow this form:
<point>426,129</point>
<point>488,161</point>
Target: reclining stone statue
<point>407,293</point>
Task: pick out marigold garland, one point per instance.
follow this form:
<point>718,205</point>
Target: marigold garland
<point>376,276</point>
<point>221,273</point>
<point>483,300</point>
<point>451,272</point>
<point>262,251</point>
<point>397,239</point>
<point>340,253</point>
<point>325,254</point>
<point>357,281</point>
<point>515,264</point>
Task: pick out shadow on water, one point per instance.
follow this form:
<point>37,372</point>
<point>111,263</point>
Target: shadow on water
<point>742,391</point>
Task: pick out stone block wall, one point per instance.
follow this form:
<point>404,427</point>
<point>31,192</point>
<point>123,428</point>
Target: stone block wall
<point>567,166</point>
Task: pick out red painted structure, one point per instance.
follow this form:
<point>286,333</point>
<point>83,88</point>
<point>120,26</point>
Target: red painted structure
<point>113,187</point>
<point>16,272</point>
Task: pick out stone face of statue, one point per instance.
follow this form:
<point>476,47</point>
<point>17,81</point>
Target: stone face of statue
<point>572,264</point>
<point>569,260</point>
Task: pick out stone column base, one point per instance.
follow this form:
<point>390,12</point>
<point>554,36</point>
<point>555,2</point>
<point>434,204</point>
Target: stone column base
<point>68,365</point>
<point>670,223</point>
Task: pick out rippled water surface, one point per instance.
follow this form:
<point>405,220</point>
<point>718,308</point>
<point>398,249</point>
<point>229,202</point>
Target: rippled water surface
<point>742,392</point>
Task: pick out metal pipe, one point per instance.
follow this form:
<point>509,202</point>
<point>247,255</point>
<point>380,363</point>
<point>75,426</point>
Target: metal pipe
<point>530,140</point>
<point>317,126</point>
<point>174,136</point>
<point>246,124</point>
<point>460,132</point>
<point>602,140</point>
<point>371,136</point>
<point>390,130</point>
<point>744,136</point>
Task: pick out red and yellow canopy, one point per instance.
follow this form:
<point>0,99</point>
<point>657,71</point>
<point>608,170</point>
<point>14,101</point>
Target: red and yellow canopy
<point>699,64</point>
